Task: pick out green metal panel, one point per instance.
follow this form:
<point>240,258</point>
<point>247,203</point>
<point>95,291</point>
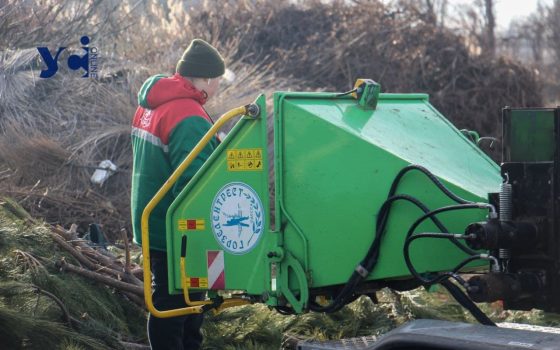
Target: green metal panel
<point>242,272</point>
<point>529,135</point>
<point>335,163</point>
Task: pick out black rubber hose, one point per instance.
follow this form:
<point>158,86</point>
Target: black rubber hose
<point>346,93</point>
<point>373,254</point>
<point>384,211</point>
<point>438,279</point>
<point>455,291</point>
<point>440,185</point>
<point>467,303</point>
<point>432,177</point>
<point>461,297</point>
<point>409,238</point>
<point>438,235</point>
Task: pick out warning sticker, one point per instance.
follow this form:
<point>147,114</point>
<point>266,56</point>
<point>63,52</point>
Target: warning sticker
<point>190,224</point>
<point>216,274</point>
<point>244,159</point>
<point>197,282</point>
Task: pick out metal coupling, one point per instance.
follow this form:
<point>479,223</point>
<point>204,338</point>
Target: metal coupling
<point>362,271</point>
<point>253,110</point>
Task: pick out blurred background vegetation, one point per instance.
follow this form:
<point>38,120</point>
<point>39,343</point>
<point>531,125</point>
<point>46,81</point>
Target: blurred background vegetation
<point>54,132</point>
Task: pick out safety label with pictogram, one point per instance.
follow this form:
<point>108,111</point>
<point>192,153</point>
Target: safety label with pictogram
<point>216,273</point>
<point>244,159</point>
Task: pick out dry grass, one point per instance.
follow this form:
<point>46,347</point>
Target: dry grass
<point>54,132</point>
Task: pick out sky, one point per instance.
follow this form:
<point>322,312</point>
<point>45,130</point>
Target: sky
<point>506,10</point>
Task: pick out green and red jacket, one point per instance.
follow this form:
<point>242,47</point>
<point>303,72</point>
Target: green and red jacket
<point>168,123</point>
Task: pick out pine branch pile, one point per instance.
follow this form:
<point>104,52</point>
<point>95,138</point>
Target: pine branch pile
<point>44,308</point>
<point>84,305</point>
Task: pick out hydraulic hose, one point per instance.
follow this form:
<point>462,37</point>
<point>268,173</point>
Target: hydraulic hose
<point>384,214</point>
<point>370,260</point>
<point>455,291</point>
<point>467,303</point>
<point>410,238</point>
<point>443,279</point>
<point>452,273</point>
<point>432,177</point>
<point>439,185</point>
<point>372,256</point>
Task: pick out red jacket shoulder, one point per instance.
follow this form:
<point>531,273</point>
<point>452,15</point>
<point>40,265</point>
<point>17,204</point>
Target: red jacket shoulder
<point>161,120</point>
<point>175,112</point>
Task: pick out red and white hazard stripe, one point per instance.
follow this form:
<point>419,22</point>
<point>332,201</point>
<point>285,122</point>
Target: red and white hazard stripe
<point>216,274</point>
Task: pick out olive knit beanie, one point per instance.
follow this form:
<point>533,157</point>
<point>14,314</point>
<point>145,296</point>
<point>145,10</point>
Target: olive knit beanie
<point>201,60</point>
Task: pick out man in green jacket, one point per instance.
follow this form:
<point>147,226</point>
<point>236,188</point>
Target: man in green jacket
<point>168,123</point>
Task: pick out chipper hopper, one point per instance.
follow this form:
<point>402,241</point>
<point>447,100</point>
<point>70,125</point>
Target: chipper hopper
<point>307,224</point>
<point>359,191</point>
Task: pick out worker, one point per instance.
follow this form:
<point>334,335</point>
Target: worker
<point>168,123</point>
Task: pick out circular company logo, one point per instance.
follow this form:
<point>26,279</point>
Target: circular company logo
<point>237,217</point>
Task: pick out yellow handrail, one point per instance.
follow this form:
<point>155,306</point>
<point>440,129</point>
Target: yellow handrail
<point>236,112</point>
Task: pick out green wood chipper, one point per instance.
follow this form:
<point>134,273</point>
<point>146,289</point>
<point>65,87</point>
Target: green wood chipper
<point>358,191</point>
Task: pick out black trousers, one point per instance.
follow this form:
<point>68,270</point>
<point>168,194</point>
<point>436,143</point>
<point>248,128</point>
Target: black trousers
<point>175,333</point>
